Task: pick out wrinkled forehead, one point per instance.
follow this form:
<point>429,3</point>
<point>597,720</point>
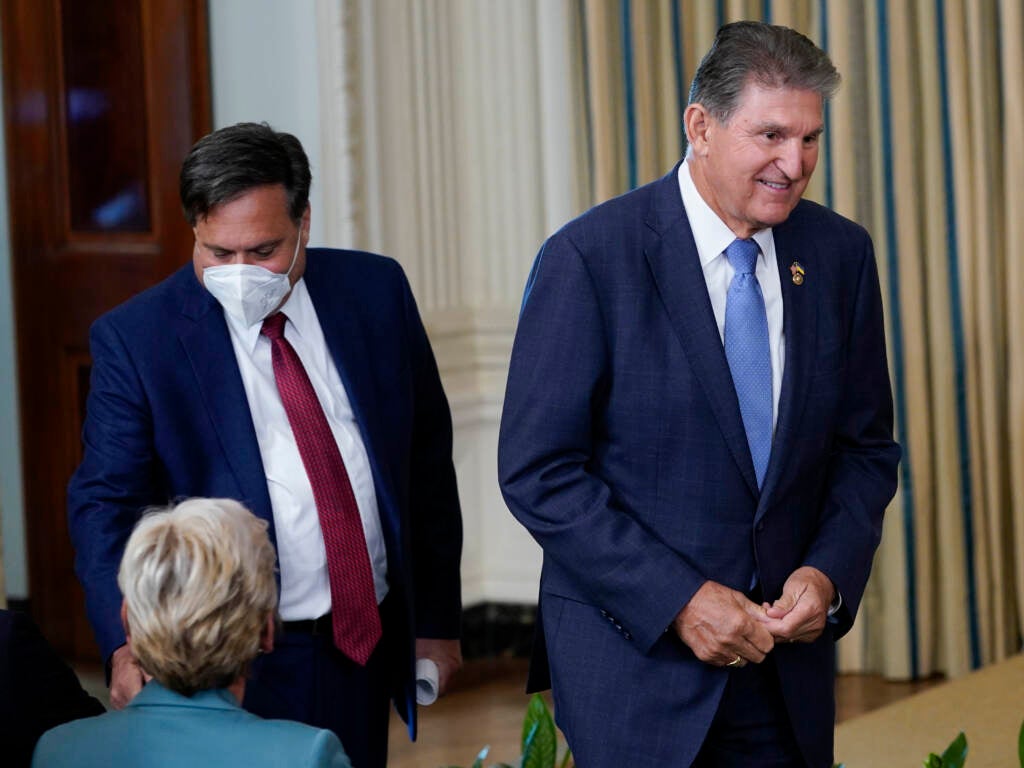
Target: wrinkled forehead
<point>781,104</point>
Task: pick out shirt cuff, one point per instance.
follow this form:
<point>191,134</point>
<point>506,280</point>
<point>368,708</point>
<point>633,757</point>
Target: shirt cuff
<point>835,605</point>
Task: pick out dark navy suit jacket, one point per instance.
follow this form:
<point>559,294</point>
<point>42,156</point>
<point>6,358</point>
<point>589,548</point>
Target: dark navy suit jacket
<point>167,417</point>
<point>38,690</point>
<point>622,450</point>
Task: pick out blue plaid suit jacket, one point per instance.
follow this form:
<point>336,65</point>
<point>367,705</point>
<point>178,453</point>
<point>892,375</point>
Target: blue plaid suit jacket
<point>622,450</point>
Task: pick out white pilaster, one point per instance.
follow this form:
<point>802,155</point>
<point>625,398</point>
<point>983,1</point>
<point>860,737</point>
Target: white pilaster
<point>459,162</point>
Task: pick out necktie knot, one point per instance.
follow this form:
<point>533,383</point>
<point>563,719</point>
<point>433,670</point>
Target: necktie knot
<point>273,326</point>
<point>742,254</point>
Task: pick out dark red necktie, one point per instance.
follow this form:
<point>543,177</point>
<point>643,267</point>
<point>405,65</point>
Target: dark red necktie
<point>354,614</point>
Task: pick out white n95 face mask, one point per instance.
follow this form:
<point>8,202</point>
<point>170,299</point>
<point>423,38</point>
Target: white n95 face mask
<point>249,292</point>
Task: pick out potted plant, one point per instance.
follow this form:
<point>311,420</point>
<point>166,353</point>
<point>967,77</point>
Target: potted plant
<point>539,742</point>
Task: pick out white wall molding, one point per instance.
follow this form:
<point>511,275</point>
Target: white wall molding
<point>277,81</point>
<point>339,144</point>
<point>459,159</point>
<point>13,548</point>
<point>472,347</point>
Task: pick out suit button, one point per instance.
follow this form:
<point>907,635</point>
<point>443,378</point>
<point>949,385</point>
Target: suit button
<point>760,526</point>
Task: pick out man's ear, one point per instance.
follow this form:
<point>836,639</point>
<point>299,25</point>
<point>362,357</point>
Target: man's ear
<point>697,122</point>
<point>304,224</point>
<point>124,623</point>
<point>267,635</point>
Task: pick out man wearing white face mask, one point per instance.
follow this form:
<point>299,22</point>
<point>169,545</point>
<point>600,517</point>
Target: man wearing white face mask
<point>248,292</point>
<point>300,382</point>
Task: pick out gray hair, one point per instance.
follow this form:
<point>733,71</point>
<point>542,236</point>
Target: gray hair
<point>773,56</point>
<point>198,584</point>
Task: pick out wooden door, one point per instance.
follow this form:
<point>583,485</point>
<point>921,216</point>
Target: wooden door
<point>102,100</point>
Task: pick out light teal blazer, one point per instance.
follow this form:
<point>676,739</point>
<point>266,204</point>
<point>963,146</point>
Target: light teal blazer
<point>163,729</point>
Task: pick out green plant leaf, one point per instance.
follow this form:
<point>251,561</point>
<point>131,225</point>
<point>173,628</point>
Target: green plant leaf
<point>479,762</point>
<point>933,761</point>
<point>1020,745</point>
<point>539,741</point>
<point>528,744</point>
<point>956,752</point>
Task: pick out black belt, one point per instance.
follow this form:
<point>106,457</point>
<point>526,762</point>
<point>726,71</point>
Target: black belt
<point>320,626</point>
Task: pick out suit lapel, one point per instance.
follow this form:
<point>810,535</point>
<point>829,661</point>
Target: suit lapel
<point>672,255</point>
<point>347,343</point>
<point>800,327</point>
<point>207,343</point>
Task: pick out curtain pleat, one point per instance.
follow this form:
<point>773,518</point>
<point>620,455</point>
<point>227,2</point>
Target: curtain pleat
<point>1011,139</point>
<point>603,67</point>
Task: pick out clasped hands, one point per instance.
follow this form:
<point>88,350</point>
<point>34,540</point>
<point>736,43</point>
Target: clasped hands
<point>725,628</point>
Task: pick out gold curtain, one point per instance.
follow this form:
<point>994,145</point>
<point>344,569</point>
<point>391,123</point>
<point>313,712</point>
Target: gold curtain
<point>924,146</point>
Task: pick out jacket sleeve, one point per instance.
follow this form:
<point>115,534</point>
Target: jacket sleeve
<point>116,480</point>
<point>328,752</point>
<point>548,462</point>
<point>861,471</point>
<point>435,515</point>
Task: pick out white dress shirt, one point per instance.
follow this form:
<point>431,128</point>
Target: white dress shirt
<point>713,237</point>
<point>301,554</point>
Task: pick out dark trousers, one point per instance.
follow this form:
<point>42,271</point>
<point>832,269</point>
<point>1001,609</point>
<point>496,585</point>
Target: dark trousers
<point>751,728</point>
<point>306,678</point>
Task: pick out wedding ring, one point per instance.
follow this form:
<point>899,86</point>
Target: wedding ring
<point>735,662</point>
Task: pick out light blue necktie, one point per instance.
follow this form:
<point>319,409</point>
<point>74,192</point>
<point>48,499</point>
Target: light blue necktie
<point>748,353</point>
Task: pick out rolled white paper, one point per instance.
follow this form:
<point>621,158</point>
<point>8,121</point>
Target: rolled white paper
<point>426,682</point>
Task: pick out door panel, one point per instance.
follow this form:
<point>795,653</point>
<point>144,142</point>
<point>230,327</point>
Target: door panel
<point>102,102</point>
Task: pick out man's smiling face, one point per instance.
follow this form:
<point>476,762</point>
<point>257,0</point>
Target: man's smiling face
<point>753,169</point>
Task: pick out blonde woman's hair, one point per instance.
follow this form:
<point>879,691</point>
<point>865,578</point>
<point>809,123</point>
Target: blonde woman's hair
<point>198,584</point>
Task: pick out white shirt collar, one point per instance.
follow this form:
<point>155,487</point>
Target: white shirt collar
<point>710,233</point>
<point>298,307</point>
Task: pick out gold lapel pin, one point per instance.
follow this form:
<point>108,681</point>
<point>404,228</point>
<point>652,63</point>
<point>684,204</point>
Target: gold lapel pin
<point>797,271</point>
